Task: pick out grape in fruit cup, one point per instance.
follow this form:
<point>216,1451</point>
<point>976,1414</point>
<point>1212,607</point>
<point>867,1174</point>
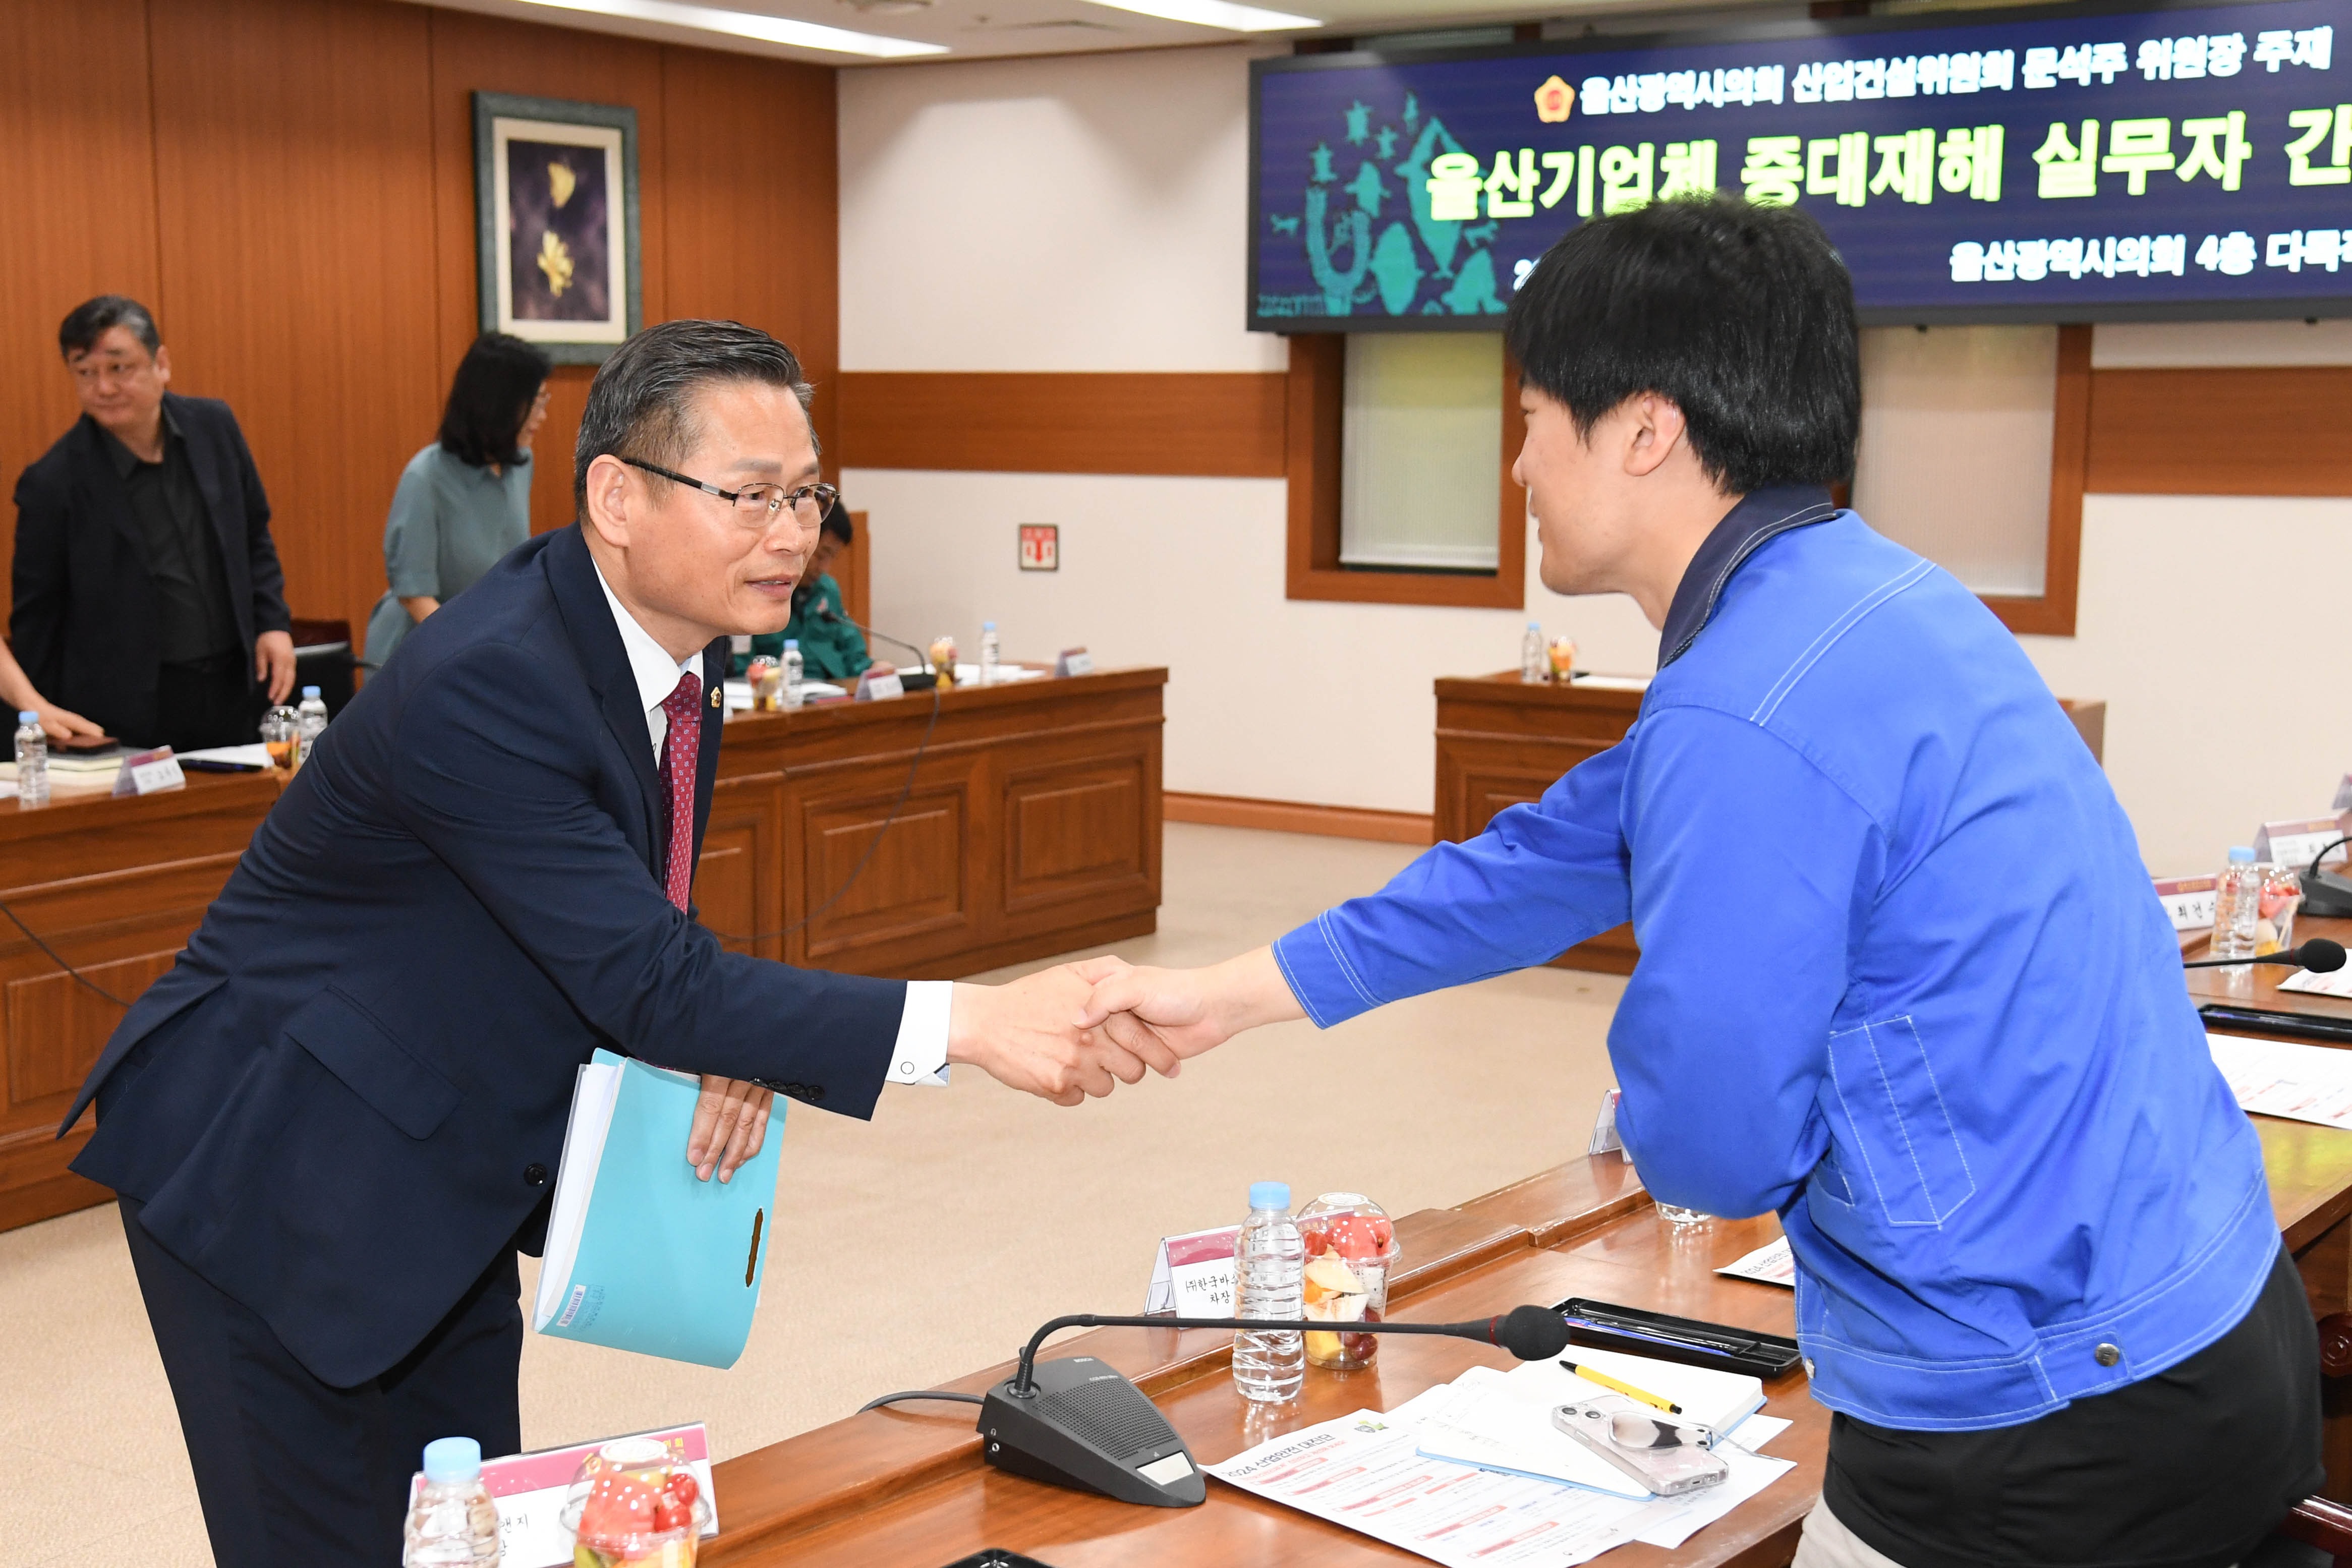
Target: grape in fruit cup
<point>1350,1248</point>
<point>634,1504</point>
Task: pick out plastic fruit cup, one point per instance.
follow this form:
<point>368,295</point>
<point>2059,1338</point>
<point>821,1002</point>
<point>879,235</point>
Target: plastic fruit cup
<point>634,1502</point>
<point>1351,1250</point>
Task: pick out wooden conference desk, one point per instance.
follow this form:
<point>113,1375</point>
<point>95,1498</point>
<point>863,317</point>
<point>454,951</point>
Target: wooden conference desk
<point>1032,827</point>
<point>905,1488</point>
<point>1501,741</point>
<point>2259,986</point>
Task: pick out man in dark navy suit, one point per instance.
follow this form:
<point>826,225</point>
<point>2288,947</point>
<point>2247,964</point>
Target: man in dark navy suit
<point>334,1122</point>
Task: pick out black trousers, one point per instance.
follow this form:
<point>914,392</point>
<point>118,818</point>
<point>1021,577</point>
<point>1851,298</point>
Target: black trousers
<point>293,1473</point>
<point>211,703</point>
<point>2187,1468</point>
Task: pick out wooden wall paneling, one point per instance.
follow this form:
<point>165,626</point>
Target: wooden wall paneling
<point>2272,431</point>
<point>927,886</point>
<point>295,216</point>
<point>853,569</point>
<point>78,172</point>
<point>751,185</point>
<point>2052,613</point>
<point>1223,424</point>
<point>1077,828</point>
<point>491,54</point>
<point>1316,392</point>
<point>738,884</point>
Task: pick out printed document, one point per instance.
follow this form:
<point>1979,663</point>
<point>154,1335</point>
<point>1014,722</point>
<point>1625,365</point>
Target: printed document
<point>2278,1078</point>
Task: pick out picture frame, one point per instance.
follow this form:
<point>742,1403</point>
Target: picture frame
<point>555,203</point>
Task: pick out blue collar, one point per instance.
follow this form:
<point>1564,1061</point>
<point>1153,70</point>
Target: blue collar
<point>1759,516</point>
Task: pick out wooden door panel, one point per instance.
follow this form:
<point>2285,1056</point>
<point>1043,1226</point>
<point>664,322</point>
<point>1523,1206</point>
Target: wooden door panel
<point>725,882</point>
<point>910,881</point>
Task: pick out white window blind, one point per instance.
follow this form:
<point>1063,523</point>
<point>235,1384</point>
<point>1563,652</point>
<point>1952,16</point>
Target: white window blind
<point>1954,459</point>
<point>1421,449</point>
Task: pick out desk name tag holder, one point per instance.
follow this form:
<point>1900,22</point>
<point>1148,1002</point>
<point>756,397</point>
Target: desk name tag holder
<point>2294,842</point>
<point>1193,1275</point>
<point>872,687</point>
<point>148,772</point>
<point>2189,899</point>
<point>1074,662</point>
<point>530,1490</point>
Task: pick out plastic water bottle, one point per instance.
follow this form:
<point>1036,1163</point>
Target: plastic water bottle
<point>453,1520</point>
<point>1535,664</point>
<point>2238,905</point>
<point>794,665</point>
<point>313,721</point>
<point>988,652</point>
<point>32,760</point>
<point>1269,1281</point>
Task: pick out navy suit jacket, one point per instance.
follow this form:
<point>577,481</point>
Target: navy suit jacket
<point>86,609</point>
<point>349,1095</point>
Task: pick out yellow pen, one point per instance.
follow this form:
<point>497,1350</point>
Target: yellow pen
<point>1627,1389</point>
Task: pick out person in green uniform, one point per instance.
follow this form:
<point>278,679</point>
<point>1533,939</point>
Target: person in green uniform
<point>464,501</point>
<point>830,648</point>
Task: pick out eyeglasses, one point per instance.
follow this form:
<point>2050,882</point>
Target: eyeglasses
<point>756,505</point>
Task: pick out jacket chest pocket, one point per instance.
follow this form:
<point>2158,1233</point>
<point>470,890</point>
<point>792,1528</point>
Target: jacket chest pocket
<point>1907,1153</point>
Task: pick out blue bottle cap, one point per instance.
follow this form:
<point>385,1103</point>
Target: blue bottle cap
<point>987,625</point>
<point>452,1459</point>
<point>27,716</point>
<point>309,691</point>
<point>2242,854</point>
<point>793,643</point>
<point>1269,1194</point>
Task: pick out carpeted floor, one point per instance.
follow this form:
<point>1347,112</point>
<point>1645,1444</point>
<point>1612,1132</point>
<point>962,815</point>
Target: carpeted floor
<point>918,1247</point>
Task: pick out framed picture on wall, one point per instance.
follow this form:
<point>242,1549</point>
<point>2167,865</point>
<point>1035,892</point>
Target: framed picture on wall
<point>555,203</point>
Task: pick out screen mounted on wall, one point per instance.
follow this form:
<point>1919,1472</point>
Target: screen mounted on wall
<point>2075,164</point>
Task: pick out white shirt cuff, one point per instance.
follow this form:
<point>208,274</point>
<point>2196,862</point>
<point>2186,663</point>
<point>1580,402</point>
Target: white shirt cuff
<point>921,1054</point>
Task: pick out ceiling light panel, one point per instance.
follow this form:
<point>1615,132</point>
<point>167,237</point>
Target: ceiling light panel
<point>785,30</point>
<point>1222,14</point>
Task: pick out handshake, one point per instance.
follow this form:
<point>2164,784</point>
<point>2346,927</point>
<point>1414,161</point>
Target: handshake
<point>1062,1034</point>
<point>1066,1033</point>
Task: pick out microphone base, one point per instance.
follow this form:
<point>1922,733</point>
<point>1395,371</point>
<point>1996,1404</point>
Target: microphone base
<point>916,680</point>
<point>1085,1426</point>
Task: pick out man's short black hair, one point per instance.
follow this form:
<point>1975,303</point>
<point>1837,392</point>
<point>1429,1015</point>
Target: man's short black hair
<point>490,398</point>
<point>89,321</point>
<point>641,403</point>
<point>1742,315</point>
<point>836,522</point>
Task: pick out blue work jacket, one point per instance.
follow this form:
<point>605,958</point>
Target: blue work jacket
<point>1903,981</point>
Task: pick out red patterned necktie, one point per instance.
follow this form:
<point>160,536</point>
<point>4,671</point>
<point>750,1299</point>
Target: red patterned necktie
<point>682,748</point>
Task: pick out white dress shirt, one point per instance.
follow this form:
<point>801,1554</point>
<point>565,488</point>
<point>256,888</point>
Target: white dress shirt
<point>922,1053</point>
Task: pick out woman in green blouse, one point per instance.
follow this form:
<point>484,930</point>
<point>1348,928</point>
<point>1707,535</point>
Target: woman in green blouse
<point>830,648</point>
<point>464,501</point>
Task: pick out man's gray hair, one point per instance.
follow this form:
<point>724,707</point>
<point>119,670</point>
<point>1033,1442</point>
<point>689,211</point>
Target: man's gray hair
<point>641,403</point>
<point>92,319</point>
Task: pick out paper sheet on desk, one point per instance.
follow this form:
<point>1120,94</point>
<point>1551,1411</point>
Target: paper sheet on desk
<point>1365,1472</point>
<point>2338,983</point>
<point>2278,1078</point>
<point>253,756</point>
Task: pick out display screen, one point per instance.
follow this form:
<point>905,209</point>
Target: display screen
<point>2074,164</point>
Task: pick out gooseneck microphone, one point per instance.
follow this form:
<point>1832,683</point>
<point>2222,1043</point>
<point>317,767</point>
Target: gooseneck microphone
<point>2319,955</point>
<point>825,611</point>
<point>1078,1421</point>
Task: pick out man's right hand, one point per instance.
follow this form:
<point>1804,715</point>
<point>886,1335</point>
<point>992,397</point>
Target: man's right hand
<point>1025,1034</point>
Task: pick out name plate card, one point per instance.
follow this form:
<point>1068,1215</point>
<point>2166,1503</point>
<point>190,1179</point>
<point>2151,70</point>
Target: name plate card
<point>146,773</point>
<point>1194,1276</point>
<point>1074,662</point>
<point>872,687</point>
<point>1605,1126</point>
<point>529,1490</point>
<point>2189,899</point>
<point>2294,844</point>
<point>2344,794</point>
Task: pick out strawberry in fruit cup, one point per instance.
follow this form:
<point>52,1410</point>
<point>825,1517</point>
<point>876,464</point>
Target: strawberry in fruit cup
<point>633,1503</point>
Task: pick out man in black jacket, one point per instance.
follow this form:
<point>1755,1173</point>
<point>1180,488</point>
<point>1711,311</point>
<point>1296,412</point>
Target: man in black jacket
<point>148,593</point>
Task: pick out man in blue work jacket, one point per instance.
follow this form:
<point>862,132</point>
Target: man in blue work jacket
<point>1903,981</point>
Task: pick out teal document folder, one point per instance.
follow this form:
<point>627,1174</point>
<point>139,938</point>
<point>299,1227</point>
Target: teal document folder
<point>641,1255</point>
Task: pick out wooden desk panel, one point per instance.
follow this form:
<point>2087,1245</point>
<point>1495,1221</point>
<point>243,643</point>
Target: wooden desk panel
<point>1031,826</point>
<point>116,887</point>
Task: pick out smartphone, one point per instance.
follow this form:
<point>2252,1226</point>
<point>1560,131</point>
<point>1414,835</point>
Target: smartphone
<point>1667,1454</point>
